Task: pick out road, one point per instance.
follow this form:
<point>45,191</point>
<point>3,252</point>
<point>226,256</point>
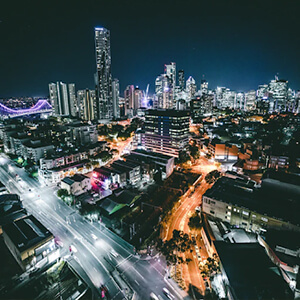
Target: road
<point>179,220</point>
<point>101,257</point>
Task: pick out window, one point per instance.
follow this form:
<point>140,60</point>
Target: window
<point>253,216</point>
<point>228,207</point>
<point>234,209</point>
<point>228,213</point>
<point>264,219</point>
<point>212,212</point>
<point>245,213</point>
<point>243,223</point>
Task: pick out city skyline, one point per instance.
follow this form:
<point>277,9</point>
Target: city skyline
<point>239,57</point>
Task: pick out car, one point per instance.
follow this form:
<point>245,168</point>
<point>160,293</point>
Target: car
<point>153,296</point>
<point>167,293</point>
<point>114,253</point>
<point>94,237</point>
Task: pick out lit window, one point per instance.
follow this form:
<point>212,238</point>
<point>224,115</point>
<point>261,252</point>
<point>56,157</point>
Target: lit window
<point>234,209</point>
<point>245,213</point>
<point>264,219</point>
<point>229,207</point>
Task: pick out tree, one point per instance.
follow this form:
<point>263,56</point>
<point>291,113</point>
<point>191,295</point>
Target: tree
<point>61,193</point>
<point>173,248</point>
<point>210,267</point>
<point>212,176</point>
<point>195,221</point>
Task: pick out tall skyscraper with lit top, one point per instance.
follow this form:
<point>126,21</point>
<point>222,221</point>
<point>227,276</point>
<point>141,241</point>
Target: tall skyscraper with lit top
<point>103,76</point>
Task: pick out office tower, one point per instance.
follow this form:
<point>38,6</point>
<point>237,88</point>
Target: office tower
<point>167,131</point>
<point>201,106</point>
<point>137,99</point>
<point>170,71</point>
<point>220,97</point>
<point>62,97</point>
<point>115,98</point>
<point>72,100</point>
<point>204,87</point>
<point>291,100</point>
<point>262,91</point>
<point>240,101</point>
<point>191,87</point>
<point>122,108</point>
<point>278,90</point>
<point>164,92</point>
<point>103,75</point>
<point>87,104</point>
<point>129,100</point>
<point>181,80</point>
<point>250,100</point>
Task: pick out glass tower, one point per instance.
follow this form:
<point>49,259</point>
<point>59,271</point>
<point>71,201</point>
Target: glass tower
<point>103,76</point>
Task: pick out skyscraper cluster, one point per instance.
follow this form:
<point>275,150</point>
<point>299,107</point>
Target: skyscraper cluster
<point>172,91</point>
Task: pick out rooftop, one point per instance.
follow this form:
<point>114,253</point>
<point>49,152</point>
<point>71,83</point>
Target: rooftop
<point>276,200</point>
<point>250,272</point>
<point>26,232</point>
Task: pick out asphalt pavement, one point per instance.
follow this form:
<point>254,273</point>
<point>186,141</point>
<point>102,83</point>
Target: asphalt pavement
<point>98,255</point>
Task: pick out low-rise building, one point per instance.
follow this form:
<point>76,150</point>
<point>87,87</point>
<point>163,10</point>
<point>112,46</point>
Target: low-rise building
<point>248,273</point>
<point>239,202</point>
<point>36,149</point>
<point>28,241</point>
<point>222,151</point>
<point>77,184</point>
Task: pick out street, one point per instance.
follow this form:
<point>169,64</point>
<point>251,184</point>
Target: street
<point>101,257</point>
<point>179,220</point>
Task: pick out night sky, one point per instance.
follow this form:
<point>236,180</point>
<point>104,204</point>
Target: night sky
<point>237,44</point>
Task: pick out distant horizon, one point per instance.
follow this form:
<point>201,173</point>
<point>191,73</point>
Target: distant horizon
<point>152,92</point>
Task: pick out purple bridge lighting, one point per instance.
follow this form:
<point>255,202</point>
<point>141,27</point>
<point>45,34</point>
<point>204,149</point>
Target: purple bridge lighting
<point>40,107</point>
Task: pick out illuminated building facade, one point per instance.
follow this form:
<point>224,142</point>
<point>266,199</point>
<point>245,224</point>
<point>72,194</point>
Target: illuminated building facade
<point>87,104</point>
<point>181,81</point>
<point>63,98</point>
<point>166,131</point>
<point>164,92</point>
<point>103,76</point>
<point>115,98</point>
<point>279,93</point>
<point>191,87</point>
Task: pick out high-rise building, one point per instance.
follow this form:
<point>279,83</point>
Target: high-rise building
<point>103,75</point>
<point>167,131</point>
<point>262,91</point>
<point>181,80</point>
<point>170,71</point>
<point>191,87</point>
<point>279,94</point>
<point>87,104</point>
<point>62,97</point>
<point>204,87</point>
<point>250,100</point>
<point>115,98</point>
<point>129,99</point>
<point>201,106</point>
<point>240,101</point>
<point>164,92</point>
<point>137,99</point>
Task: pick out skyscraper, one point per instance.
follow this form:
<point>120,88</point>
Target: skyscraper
<point>204,87</point>
<point>63,99</point>
<point>181,80</point>
<point>191,87</point>
<point>170,71</point>
<point>103,75</point>
<point>87,104</point>
<point>129,100</point>
<point>164,92</point>
<point>279,93</point>
<point>115,98</point>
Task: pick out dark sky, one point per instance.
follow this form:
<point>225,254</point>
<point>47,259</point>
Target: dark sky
<point>237,44</point>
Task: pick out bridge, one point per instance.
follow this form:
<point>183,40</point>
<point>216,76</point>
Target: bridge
<point>42,106</point>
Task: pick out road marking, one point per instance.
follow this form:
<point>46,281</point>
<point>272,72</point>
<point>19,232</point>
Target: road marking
<point>136,282</point>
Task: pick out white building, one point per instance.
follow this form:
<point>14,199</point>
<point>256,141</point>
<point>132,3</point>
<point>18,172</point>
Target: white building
<point>77,184</point>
